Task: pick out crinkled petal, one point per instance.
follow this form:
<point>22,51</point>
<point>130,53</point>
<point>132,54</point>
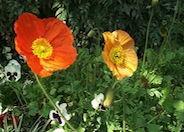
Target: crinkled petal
<point>52,112</point>
<point>123,72</point>
<point>34,63</point>
<point>57,33</point>
<point>27,28</point>
<point>129,66</point>
<point>109,41</point>
<point>109,63</point>
<point>124,39</point>
<point>62,58</point>
<point>131,59</point>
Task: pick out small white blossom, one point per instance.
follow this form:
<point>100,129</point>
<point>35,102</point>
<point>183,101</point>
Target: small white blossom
<point>54,115</point>
<point>2,75</point>
<point>59,130</point>
<point>13,71</point>
<point>1,108</point>
<point>97,101</point>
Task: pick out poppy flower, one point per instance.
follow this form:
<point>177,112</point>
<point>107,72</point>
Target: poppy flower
<point>45,43</point>
<point>119,53</point>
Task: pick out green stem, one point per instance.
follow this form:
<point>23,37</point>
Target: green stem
<point>147,35</point>
<point>175,13</point>
<point>17,93</point>
<point>155,117</point>
<point>124,111</point>
<point>114,82</point>
<point>53,104</point>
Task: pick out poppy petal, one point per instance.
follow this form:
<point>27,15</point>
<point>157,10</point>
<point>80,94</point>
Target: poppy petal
<point>124,39</point>
<point>129,66</point>
<point>131,60</point>
<point>57,33</point>
<point>34,63</point>
<point>109,41</point>
<point>28,27</point>
<point>109,63</point>
<point>123,72</point>
<point>62,58</point>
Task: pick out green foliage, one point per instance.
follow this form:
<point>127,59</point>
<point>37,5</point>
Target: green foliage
<point>154,96</point>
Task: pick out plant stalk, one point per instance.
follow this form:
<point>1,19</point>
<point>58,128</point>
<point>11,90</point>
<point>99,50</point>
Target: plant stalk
<point>147,35</point>
<point>124,111</point>
<point>53,104</point>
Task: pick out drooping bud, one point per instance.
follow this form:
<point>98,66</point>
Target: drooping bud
<point>154,3</point>
<point>109,97</point>
<point>91,33</point>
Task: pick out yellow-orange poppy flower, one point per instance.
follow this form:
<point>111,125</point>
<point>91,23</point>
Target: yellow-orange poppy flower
<point>45,43</point>
<point>119,53</point>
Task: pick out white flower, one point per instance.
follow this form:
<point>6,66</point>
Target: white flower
<point>2,75</point>
<point>54,115</point>
<point>5,111</point>
<point>59,130</point>
<point>1,108</point>
<point>12,71</point>
<point>97,102</point>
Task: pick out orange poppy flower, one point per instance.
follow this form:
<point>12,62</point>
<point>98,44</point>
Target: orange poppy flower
<point>45,43</point>
<point>119,54</point>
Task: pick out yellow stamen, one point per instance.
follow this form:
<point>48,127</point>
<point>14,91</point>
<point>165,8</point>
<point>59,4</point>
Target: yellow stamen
<point>116,55</point>
<point>42,48</point>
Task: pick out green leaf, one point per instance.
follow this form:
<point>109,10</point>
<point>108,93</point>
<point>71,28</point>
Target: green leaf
<point>155,92</point>
<point>52,91</point>
<point>81,129</point>
<point>153,128</point>
<point>179,115</point>
<point>33,108</point>
<point>179,105</point>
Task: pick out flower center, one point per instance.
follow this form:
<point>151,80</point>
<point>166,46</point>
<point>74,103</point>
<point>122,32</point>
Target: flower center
<point>116,54</point>
<point>42,48</point>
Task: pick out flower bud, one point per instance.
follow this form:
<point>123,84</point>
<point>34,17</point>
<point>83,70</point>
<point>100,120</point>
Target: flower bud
<point>91,33</point>
<point>154,3</point>
<point>109,97</point>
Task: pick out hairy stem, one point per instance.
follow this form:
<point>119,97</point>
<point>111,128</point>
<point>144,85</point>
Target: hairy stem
<point>124,111</point>
<point>147,35</point>
<point>53,104</point>
<point>174,17</point>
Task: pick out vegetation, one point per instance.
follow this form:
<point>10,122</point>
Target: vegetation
<point>149,101</point>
